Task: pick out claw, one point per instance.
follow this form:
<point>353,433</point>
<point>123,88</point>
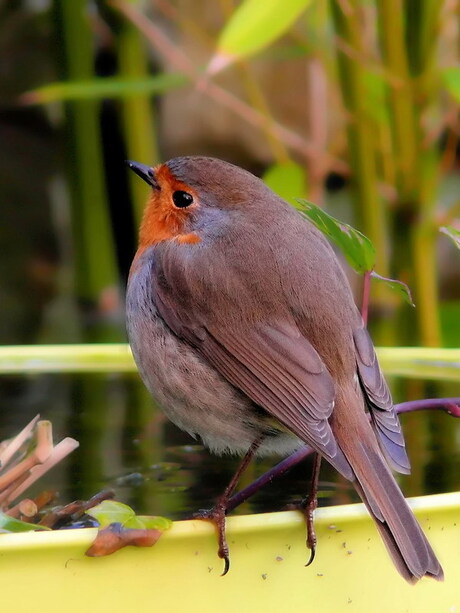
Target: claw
<point>226,566</point>
<point>217,516</point>
<point>218,512</point>
<point>312,556</point>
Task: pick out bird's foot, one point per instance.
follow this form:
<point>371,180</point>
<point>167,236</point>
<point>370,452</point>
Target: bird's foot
<point>308,507</point>
<point>217,516</point>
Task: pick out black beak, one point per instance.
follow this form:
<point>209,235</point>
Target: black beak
<point>144,172</point>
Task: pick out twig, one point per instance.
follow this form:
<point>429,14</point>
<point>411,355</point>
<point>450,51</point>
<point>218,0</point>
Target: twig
<point>60,451</point>
<point>181,62</point>
<point>15,444</point>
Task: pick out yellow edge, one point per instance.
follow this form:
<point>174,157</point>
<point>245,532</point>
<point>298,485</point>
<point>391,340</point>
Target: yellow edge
<point>419,362</point>
<point>240,524</point>
<point>352,570</point>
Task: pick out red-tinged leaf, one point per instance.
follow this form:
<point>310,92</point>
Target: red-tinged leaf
<point>398,286</point>
<point>115,537</point>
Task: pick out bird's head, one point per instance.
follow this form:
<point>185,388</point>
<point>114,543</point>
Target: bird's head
<point>190,194</point>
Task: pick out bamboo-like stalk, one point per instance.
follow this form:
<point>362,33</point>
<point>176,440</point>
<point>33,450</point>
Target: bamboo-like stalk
<point>95,267</point>
<point>400,93</point>
<point>404,32</point>
<point>361,133</point>
<point>422,30</point>
<point>137,111</point>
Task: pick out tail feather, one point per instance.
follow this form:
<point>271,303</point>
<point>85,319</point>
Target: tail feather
<point>389,541</point>
<point>401,533</point>
<point>374,482</point>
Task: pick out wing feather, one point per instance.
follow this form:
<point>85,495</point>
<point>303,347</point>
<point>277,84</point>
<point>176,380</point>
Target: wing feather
<point>272,363</point>
<point>384,418</point>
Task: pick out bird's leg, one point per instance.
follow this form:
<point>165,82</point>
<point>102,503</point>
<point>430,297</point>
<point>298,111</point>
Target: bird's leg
<point>308,507</point>
<point>218,512</point>
<point>449,405</point>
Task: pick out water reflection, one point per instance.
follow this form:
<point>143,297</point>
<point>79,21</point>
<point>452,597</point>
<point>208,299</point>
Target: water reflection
<point>127,444</point>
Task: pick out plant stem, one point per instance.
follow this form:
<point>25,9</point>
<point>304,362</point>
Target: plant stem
<point>95,262</point>
<point>407,35</point>
<point>137,111</point>
<point>361,133</point>
<point>366,294</point>
<point>449,405</point>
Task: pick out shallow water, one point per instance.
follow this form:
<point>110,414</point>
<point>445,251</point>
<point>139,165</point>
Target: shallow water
<point>127,444</point>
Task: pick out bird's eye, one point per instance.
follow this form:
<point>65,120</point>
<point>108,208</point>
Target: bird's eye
<point>182,199</point>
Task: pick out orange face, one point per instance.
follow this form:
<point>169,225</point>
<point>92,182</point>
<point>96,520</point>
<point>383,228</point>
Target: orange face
<point>162,219</point>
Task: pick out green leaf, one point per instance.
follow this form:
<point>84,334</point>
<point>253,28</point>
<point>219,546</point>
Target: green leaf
<point>10,524</point>
<point>452,233</point>
<point>113,512</point>
<point>398,286</point>
<point>451,79</point>
<point>103,87</point>
<point>357,248</point>
<point>254,25</point>
<point>153,522</point>
<point>287,180</point>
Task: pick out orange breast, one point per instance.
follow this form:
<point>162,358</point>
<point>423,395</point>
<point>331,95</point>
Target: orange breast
<point>162,219</point>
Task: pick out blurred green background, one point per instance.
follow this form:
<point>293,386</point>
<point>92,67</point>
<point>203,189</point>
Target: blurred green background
<point>353,105</point>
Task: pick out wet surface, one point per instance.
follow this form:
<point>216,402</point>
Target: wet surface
<point>126,444</point>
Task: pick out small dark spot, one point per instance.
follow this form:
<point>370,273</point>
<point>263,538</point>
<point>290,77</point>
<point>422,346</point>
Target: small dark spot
<point>209,569</point>
<point>349,552</point>
<point>349,601</point>
<point>197,553</point>
<point>182,199</point>
<point>339,531</point>
<point>289,547</point>
<point>264,576</point>
<point>279,559</point>
<point>344,544</point>
<point>319,575</point>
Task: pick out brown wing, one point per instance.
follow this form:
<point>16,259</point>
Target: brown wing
<point>384,418</point>
<point>272,364</point>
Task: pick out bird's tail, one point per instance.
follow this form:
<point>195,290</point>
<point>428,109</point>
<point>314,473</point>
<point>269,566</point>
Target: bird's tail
<point>400,531</point>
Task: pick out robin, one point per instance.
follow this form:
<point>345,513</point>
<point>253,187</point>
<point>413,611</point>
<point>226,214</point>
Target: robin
<point>243,326</point>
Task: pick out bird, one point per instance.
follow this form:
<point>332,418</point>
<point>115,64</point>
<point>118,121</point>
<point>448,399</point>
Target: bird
<point>244,328</point>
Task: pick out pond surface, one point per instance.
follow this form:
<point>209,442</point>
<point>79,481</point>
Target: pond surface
<point>128,445</point>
